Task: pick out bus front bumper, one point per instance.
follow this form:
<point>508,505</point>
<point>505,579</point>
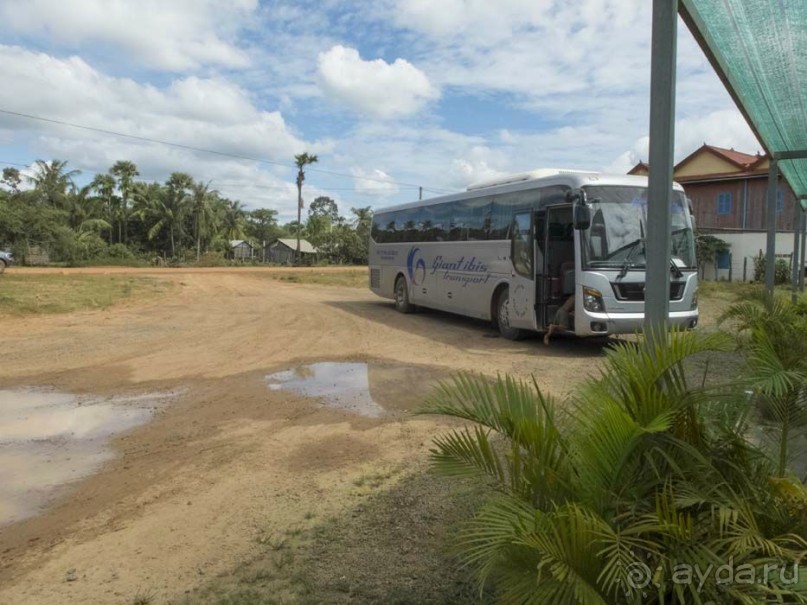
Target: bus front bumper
<point>602,324</point>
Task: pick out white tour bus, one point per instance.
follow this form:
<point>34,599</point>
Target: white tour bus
<point>513,250</point>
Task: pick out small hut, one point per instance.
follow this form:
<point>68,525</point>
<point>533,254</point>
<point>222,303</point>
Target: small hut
<point>283,250</point>
<point>241,249</point>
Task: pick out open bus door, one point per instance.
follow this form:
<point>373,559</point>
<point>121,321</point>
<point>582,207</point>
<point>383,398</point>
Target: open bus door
<point>522,277</point>
<point>555,281</point>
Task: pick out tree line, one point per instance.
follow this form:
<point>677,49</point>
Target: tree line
<point>118,218</point>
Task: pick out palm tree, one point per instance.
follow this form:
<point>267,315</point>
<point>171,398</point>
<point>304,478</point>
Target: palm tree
<point>104,186</point>
<point>85,212</point>
<point>302,160</point>
<point>233,220</point>
<point>364,218</point>
<point>771,329</point>
<point>125,171</point>
<point>52,181</point>
<point>201,211</point>
<point>177,188</point>
<point>602,498</point>
<point>163,207</point>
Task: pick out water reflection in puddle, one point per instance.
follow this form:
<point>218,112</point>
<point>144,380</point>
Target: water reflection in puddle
<point>49,439</point>
<point>369,389</point>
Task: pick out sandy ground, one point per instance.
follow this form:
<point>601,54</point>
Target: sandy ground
<point>229,461</point>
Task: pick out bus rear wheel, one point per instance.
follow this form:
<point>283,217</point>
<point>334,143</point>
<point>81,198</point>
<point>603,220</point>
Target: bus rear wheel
<point>503,318</point>
<point>402,304</point>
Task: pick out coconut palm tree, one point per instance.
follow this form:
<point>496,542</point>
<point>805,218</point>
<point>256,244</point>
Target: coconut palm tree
<point>86,211</point>
<point>125,171</point>
<point>602,498</point>
<point>52,181</point>
<point>162,208</point>
<point>302,160</point>
<point>233,220</point>
<point>104,186</point>
<point>201,210</point>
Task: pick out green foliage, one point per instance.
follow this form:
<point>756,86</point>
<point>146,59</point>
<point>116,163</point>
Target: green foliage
<point>120,251</point>
<point>116,217</point>
<point>781,273</point>
<point>772,329</point>
<point>638,471</point>
<point>707,247</point>
<point>211,259</point>
<point>325,207</point>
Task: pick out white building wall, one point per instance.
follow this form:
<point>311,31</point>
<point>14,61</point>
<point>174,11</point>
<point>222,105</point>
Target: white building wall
<point>747,245</point>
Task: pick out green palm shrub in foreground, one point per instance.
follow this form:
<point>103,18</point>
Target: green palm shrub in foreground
<point>773,332</point>
<point>634,490</point>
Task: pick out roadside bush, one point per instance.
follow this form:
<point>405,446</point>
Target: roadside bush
<point>781,273</point>
<point>120,251</point>
<point>619,492</point>
<point>212,259</point>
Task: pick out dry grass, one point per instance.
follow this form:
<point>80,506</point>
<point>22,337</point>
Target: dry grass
<point>395,547</point>
<point>43,294</point>
<point>351,278</point>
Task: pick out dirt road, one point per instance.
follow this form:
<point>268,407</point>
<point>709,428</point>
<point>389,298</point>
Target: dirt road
<point>229,461</point>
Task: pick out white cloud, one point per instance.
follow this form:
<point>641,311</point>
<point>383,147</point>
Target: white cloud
<point>176,35</point>
<point>374,182</point>
<point>375,88</point>
<point>582,68</point>
<point>209,113</point>
<point>725,128</point>
<point>478,163</point>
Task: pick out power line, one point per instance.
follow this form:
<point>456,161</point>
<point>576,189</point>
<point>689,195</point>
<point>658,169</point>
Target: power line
<point>202,149</point>
<point>215,183</point>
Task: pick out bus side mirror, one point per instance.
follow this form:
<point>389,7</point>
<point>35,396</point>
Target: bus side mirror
<point>582,217</point>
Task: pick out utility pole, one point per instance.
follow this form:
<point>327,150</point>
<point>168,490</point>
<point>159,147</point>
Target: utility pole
<point>660,178</point>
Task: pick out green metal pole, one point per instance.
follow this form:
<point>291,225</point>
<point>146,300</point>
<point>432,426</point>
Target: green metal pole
<point>803,220</point>
<point>662,137</point>
<point>794,258</point>
<point>770,253</point>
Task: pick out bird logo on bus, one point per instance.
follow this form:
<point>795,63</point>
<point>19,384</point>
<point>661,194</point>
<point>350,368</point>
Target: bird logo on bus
<point>416,266</point>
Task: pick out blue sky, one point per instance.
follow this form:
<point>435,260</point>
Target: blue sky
<point>390,94</point>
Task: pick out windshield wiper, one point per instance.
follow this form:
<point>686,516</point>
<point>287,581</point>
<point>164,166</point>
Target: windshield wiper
<point>676,269</point>
<point>628,262</point>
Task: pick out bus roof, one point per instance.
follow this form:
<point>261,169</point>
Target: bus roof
<point>532,180</point>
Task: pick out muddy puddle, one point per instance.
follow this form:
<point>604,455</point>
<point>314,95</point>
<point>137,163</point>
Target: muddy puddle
<point>372,389</point>
<point>50,439</point>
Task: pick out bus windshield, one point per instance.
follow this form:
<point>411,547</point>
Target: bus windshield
<point>616,237</point>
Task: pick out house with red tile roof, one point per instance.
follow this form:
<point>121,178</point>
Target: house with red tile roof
<point>728,190</point>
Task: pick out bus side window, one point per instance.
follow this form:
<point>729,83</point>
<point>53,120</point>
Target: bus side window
<point>522,243</point>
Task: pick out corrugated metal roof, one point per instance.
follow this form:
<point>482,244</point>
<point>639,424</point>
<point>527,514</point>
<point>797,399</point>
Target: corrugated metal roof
<point>305,246</point>
<point>238,242</point>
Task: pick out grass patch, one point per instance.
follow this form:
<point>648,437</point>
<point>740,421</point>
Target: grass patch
<point>352,278</point>
<point>44,294</point>
<point>395,548</point>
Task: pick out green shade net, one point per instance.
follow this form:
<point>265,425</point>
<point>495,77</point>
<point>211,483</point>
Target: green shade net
<point>759,48</point>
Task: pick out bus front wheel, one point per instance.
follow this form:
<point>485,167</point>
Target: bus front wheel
<point>402,303</point>
<point>503,318</point>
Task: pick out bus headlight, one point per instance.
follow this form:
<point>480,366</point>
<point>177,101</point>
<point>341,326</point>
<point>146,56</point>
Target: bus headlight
<point>694,304</point>
<point>592,300</point>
